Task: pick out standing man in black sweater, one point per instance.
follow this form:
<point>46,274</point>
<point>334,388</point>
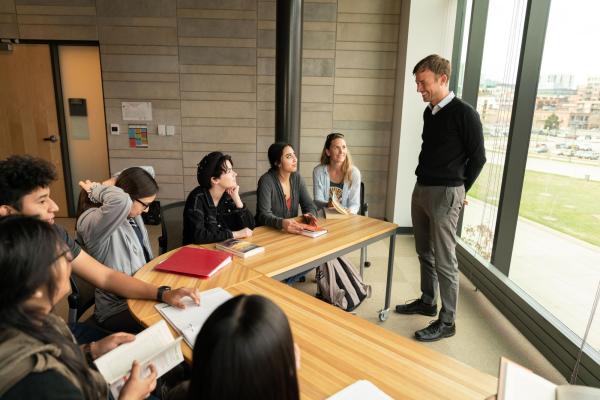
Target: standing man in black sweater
<point>452,156</point>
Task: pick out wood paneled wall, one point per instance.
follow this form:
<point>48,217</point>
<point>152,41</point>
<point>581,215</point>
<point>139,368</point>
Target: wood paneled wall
<point>208,67</point>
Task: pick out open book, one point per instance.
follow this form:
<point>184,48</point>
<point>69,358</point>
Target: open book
<point>189,320</point>
<point>153,345</point>
<point>518,383</point>
<point>336,211</point>
<point>360,390</point>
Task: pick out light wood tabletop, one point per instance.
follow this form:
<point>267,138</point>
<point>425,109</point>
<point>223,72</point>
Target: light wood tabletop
<point>144,311</point>
<point>338,348</point>
<point>285,252</point>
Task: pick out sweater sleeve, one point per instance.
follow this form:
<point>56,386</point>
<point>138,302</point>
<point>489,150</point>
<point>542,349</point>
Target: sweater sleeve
<point>196,229</point>
<point>474,147</point>
<point>306,202</point>
<point>319,190</point>
<point>98,224</point>
<point>264,206</point>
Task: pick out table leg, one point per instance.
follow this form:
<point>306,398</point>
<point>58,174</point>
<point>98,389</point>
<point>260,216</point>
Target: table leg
<point>363,257</point>
<point>383,313</point>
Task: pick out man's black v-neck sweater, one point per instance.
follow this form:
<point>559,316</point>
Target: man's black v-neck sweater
<point>452,153</point>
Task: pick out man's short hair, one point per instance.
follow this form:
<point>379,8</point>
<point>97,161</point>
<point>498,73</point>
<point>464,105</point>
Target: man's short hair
<point>21,175</point>
<point>436,64</point>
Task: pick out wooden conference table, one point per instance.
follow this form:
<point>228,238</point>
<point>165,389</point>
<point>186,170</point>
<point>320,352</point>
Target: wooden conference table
<point>337,348</point>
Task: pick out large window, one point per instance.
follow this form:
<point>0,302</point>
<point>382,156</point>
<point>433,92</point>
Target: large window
<point>530,235</point>
<point>494,104</point>
<point>556,255</point>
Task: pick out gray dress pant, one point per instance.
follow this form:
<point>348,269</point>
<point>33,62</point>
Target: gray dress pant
<point>435,211</point>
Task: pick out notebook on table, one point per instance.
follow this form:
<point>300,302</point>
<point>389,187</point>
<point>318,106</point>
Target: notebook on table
<point>194,261</point>
<point>189,320</point>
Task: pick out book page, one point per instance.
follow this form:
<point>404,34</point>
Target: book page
<point>313,234</point>
<point>189,321</point>
<point>576,392</point>
<point>519,383</point>
<point>164,361</point>
<point>152,344</point>
<point>360,390</point>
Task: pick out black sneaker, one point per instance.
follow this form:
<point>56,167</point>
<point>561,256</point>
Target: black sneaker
<point>417,307</point>
<point>435,331</point>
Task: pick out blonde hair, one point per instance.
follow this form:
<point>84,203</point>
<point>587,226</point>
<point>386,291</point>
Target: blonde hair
<point>347,165</point>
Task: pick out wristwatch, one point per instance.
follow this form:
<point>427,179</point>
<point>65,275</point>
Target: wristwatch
<point>161,291</point>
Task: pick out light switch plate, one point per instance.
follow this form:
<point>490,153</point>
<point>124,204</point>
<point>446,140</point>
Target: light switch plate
<point>170,130</point>
<point>114,129</point>
<point>161,130</point>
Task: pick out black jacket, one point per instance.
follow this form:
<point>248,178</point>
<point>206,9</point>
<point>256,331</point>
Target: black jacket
<point>205,223</point>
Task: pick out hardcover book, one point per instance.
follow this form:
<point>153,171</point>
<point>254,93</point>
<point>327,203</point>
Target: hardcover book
<point>240,248</point>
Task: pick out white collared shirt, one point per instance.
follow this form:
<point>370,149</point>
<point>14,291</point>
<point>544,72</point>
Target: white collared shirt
<point>442,103</point>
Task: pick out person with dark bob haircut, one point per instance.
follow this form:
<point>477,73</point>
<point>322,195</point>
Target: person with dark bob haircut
<point>281,190</point>
<point>39,357</point>
<point>25,190</point>
<point>245,350</point>
<point>214,210</point>
<point>111,229</point>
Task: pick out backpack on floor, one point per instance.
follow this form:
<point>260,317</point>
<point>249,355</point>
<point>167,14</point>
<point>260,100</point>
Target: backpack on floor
<point>340,284</point>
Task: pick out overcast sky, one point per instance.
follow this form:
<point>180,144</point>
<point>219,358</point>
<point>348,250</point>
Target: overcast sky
<point>571,45</point>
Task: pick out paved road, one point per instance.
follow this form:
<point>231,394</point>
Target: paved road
<point>559,272</point>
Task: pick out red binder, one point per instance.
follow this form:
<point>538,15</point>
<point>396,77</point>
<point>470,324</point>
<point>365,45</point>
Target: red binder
<point>195,261</point>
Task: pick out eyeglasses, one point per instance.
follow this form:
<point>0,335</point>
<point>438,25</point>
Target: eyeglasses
<point>146,206</point>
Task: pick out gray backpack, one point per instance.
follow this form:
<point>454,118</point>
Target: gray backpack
<point>339,283</point>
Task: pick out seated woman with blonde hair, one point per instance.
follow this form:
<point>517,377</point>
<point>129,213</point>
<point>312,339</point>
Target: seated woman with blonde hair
<point>336,176</point>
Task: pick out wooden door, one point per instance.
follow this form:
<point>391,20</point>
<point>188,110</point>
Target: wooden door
<point>28,118</point>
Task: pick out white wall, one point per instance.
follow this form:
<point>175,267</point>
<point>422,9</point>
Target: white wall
<point>426,27</point>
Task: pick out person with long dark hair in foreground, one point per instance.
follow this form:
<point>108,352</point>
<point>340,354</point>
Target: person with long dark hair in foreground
<point>39,357</point>
<point>245,350</point>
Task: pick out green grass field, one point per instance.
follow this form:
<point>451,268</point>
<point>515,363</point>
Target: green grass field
<point>566,204</point>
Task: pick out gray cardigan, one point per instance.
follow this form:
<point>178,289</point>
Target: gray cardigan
<point>106,235</point>
<point>271,209</point>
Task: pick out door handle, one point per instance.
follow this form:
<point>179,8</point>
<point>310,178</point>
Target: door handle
<point>51,138</point>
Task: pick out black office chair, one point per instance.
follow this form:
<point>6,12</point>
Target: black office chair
<point>171,223</point>
<point>80,299</point>
<point>363,210</point>
<point>249,199</point>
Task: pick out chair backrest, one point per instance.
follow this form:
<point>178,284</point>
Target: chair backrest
<point>249,199</point>
<point>81,298</point>
<point>171,223</point>
<point>364,206</point>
